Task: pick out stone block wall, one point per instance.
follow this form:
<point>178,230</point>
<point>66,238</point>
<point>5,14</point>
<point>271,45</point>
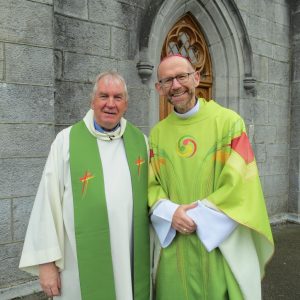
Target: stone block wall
<point>294,195</point>
<point>268,26</point>
<point>92,37</point>
<point>26,121</point>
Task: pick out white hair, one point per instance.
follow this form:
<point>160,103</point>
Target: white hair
<point>112,74</point>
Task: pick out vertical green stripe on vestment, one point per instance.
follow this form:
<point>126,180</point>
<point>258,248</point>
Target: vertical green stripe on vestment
<point>90,217</point>
<point>137,157</point>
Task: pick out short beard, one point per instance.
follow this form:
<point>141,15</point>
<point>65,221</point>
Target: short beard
<point>190,92</point>
<point>184,105</point>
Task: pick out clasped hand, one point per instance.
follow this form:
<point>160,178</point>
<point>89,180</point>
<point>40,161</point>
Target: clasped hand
<point>181,221</point>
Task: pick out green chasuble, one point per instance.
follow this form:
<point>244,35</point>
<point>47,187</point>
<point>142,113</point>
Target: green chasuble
<point>91,218</point>
<point>206,156</point>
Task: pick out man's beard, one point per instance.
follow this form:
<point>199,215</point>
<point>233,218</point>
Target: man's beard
<point>185,103</point>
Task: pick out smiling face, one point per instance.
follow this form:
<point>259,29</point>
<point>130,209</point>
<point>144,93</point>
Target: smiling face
<point>181,95</point>
<point>109,102</point>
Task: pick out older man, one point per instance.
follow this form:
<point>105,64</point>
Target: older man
<point>207,206</point>
<point>87,236</point>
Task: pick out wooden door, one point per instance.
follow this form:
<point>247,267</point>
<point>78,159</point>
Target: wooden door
<point>185,38</point>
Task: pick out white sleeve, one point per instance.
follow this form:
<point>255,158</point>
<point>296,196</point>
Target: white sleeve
<point>44,237</point>
<point>213,227</point>
<point>161,219</point>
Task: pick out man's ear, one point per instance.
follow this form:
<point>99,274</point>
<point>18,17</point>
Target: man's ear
<point>159,89</point>
<point>92,103</point>
<point>126,106</point>
<point>197,78</point>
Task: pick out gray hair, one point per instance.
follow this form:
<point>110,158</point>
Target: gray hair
<point>113,74</point>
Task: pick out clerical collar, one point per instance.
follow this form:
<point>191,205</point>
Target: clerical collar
<point>101,129</point>
<point>189,113</point>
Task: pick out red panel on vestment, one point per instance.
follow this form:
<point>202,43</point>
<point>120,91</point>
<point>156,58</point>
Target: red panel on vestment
<point>242,146</point>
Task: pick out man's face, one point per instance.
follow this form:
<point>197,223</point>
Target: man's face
<point>179,94</point>
<point>109,102</point>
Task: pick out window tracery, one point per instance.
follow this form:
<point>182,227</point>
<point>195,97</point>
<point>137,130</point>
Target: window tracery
<point>185,38</point>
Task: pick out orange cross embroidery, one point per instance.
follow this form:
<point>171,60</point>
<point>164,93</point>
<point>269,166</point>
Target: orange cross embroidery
<point>139,162</point>
<point>85,180</point>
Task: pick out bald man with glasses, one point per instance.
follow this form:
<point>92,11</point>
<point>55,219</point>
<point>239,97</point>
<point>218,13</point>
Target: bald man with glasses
<point>213,237</point>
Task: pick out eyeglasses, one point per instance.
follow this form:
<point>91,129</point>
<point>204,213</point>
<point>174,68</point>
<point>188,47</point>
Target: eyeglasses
<point>181,78</point>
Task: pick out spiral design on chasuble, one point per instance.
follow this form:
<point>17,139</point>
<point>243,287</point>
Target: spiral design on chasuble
<point>186,146</point>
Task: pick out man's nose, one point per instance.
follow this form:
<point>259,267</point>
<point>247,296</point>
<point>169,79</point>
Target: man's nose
<point>110,101</point>
<point>175,83</point>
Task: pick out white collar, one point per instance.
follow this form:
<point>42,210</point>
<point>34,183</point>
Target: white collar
<point>105,136</point>
<point>189,113</point>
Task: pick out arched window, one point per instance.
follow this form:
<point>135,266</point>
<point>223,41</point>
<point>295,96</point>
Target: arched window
<point>186,38</point>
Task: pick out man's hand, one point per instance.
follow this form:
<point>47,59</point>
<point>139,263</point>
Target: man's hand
<point>181,221</point>
<point>49,279</point>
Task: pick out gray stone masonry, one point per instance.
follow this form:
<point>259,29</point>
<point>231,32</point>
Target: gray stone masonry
<point>1,61</point>
<point>268,25</point>
<point>81,36</point>
<point>294,199</point>
<point>13,143</point>
<point>26,22</point>
<point>101,35</point>
<point>84,68</point>
<point>29,65</point>
<point>74,8</point>
<point>26,104</point>
<point>72,101</point>
<point>26,121</point>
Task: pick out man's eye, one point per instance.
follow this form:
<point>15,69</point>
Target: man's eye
<point>181,76</point>
<point>118,98</point>
<point>168,80</point>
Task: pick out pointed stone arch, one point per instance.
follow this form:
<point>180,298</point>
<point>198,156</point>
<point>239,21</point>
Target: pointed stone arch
<point>227,40</point>
<point>186,38</point>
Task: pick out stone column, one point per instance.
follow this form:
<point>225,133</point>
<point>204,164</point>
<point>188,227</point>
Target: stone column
<point>294,197</point>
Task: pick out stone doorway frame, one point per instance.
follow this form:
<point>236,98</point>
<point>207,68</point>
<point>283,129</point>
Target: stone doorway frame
<point>228,42</point>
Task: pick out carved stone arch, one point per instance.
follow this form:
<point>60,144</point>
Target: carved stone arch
<point>186,38</point>
<point>228,43</point>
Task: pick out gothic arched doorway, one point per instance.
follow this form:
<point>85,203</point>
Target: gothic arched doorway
<point>185,38</point>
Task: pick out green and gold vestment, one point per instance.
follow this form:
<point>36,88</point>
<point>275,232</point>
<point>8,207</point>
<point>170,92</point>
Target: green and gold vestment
<point>208,156</point>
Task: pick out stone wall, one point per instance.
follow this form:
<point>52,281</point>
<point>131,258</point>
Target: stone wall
<point>294,195</point>
<point>268,26</point>
<point>91,37</point>
<point>26,121</point>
